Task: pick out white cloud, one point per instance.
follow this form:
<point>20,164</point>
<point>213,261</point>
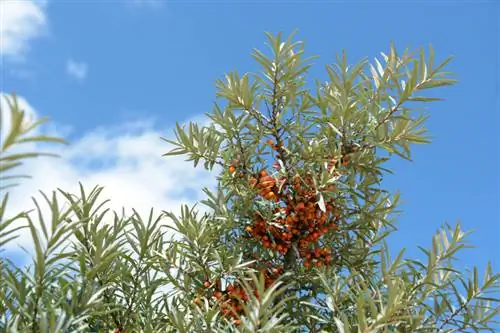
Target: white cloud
<point>20,23</point>
<point>76,69</point>
<point>125,159</point>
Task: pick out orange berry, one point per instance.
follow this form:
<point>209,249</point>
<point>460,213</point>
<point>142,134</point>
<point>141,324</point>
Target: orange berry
<point>249,229</point>
<point>270,142</point>
<point>319,264</point>
<point>232,169</point>
<point>267,182</point>
<point>207,284</point>
<point>300,206</point>
<point>263,173</point>
<point>270,195</point>
<point>307,264</point>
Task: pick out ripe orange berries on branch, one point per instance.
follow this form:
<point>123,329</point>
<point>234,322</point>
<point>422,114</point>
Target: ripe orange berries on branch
<point>300,222</point>
<point>233,166</point>
<point>266,185</point>
<point>274,146</point>
<point>234,295</point>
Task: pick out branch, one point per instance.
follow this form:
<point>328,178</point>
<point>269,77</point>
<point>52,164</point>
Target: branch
<point>453,315</point>
<point>388,115</point>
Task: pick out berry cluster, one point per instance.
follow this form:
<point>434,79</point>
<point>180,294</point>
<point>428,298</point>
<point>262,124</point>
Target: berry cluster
<point>233,296</point>
<point>298,218</point>
<point>267,185</point>
<point>318,257</point>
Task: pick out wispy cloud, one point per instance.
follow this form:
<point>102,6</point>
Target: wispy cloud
<point>76,69</point>
<point>20,23</point>
<point>125,159</point>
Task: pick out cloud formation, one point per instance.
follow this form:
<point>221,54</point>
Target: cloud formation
<point>125,159</point>
<point>76,69</point>
<point>20,23</point>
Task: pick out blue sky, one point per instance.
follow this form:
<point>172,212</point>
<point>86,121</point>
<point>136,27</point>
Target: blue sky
<point>133,69</point>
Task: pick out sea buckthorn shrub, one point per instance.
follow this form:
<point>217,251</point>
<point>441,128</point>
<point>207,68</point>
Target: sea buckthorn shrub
<point>292,239</point>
